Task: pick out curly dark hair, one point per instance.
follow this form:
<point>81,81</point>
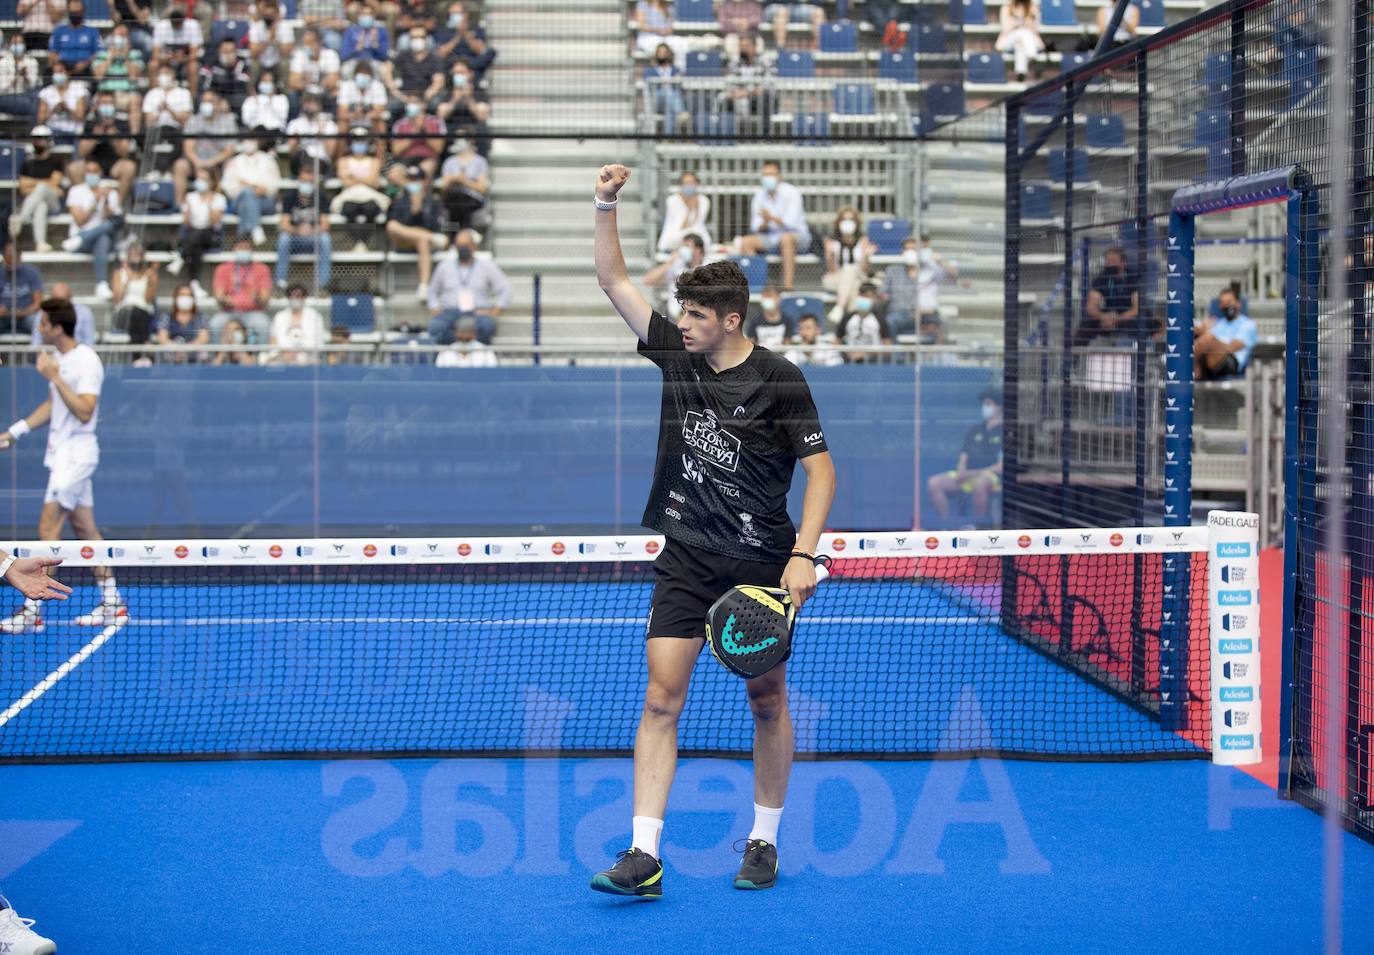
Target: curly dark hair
<point>718,286</point>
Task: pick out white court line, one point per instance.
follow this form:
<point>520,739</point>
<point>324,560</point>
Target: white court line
<point>56,676</point>
<point>507,621</point>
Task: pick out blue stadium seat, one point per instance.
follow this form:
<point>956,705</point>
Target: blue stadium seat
<point>811,129</point>
<point>1300,73</point>
<point>704,63</point>
<point>1058,13</point>
<point>1216,76</point>
<point>794,307</point>
<point>157,193</point>
<point>755,268</point>
<point>944,100</point>
<point>715,128</point>
<point>797,65</point>
<point>9,9</point>
<point>1036,201</point>
<point>220,30</point>
<point>98,11</point>
<point>1071,60</point>
<point>853,99</point>
<point>898,67</point>
<point>889,234</point>
<point>1106,131</point>
<point>1151,12</point>
<point>1212,127</point>
<point>694,11</point>
<point>970,13</point>
<point>986,68</point>
<point>1059,168</point>
<point>355,311</point>
<point>839,37</point>
<point>11,159</point>
<point>927,35</point>
<point>1219,160</point>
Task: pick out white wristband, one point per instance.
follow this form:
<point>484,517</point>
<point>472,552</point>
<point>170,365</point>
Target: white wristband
<point>5,566</point>
<point>19,429</point>
<point>605,206</point>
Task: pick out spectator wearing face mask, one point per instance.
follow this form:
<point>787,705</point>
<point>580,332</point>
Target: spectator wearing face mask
<point>461,39</point>
<point>267,109</point>
<point>313,66</point>
<point>686,211</point>
<point>465,184</point>
<point>689,255</point>
<point>202,215</point>
<point>862,328</point>
<point>251,180</point>
<point>40,183</point>
<point>912,291</point>
<point>135,293</point>
<point>768,326</point>
<point>20,78</point>
<point>177,42</point>
<point>466,110</point>
<point>415,221</point>
<point>310,137</point>
<point>777,221</point>
<point>183,325</point>
<point>270,42</point>
<point>847,254</point>
<point>749,84</point>
<point>418,71</point>
<point>233,333</point>
<point>74,44</point>
<point>418,141</point>
<point>663,90</point>
<point>118,70</point>
<point>212,121</point>
<point>978,472</point>
<point>136,19</point>
<point>242,288</point>
<point>97,216</point>
<point>62,105</point>
<point>39,16</point>
<point>816,347</point>
<point>365,38</point>
<point>108,142</point>
<point>466,351</point>
<point>1222,346</point>
<point>328,17</point>
<point>166,109</point>
<point>466,286</point>
<point>1113,303</point>
<point>297,331</point>
<point>226,76</point>
<point>304,229</point>
<point>361,200</point>
<point>362,99</point>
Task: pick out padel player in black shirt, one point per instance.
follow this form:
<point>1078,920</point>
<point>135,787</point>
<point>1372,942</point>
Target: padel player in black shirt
<point>735,420</point>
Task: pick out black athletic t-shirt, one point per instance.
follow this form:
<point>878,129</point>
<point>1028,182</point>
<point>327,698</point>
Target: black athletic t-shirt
<point>983,446</point>
<point>728,443</point>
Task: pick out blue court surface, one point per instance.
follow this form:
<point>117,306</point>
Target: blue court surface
<point>486,855</point>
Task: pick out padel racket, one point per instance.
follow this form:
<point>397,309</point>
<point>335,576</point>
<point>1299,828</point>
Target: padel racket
<point>749,629</point>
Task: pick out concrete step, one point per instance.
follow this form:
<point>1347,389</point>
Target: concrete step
<point>524,119</point>
<point>528,54</point>
<point>591,84</point>
<point>537,9</point>
<point>552,182</point>
<point>567,21</point>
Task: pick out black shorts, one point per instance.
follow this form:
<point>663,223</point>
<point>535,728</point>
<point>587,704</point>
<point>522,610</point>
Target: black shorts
<point>687,580</point>
<point>1228,368</point>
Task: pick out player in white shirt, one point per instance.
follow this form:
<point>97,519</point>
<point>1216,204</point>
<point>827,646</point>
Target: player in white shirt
<point>75,375</point>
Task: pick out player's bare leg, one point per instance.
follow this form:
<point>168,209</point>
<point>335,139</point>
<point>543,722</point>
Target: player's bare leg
<point>111,610</point>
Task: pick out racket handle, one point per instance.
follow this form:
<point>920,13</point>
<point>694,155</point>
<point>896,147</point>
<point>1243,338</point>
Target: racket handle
<point>822,572</point>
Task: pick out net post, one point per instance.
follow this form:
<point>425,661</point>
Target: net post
<point>1234,632</point>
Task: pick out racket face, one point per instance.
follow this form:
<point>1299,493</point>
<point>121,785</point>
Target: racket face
<point>749,629</point>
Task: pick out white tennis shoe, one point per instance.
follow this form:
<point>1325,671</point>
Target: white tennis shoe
<point>28,620</point>
<point>105,615</point>
<point>18,937</point>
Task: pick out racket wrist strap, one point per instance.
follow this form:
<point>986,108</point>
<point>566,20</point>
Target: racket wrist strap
<point>5,566</point>
<point>803,554</point>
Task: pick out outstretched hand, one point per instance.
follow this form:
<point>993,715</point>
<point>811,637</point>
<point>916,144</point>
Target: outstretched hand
<point>610,180</point>
<point>29,576</point>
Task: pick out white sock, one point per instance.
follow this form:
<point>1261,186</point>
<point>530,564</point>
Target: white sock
<point>647,830</point>
<point>766,824</point>
<point>109,592</point>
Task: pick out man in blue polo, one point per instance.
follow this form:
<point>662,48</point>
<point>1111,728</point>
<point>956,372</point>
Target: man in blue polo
<point>74,43</point>
<point>1222,346</point>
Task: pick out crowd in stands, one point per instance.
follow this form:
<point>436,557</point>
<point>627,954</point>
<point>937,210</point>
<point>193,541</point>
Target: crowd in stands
<point>359,122</point>
<point>874,299</point>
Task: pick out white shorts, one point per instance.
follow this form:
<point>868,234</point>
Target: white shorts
<point>69,484</point>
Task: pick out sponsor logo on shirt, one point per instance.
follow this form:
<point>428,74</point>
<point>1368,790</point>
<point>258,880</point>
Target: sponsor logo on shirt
<point>673,513</point>
<point>748,533</point>
<point>703,434</point>
<point>815,437</point>
<point>677,497</point>
<point>690,470</point>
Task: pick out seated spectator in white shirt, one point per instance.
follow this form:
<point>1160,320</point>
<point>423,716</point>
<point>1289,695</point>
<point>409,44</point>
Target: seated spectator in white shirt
<point>777,221</point>
<point>62,105</point>
<point>847,254</point>
<point>304,143</point>
<point>362,100</point>
<point>97,217</point>
<point>20,78</point>
<point>686,210</point>
<point>251,181</point>
<point>270,41</point>
<point>768,326</point>
<point>654,25</point>
<point>313,64</point>
<point>268,109</point>
<point>297,331</point>
<point>816,348</point>
<point>861,328</point>
<point>166,109</point>
<point>689,255</point>
<point>177,42</point>
<point>466,351</point>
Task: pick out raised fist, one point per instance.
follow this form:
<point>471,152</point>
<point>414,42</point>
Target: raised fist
<point>610,180</point>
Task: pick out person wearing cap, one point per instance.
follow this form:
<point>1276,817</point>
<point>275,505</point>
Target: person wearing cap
<point>40,183</point>
<point>415,221</point>
<point>21,291</point>
<point>20,77</point>
<point>304,228</point>
<point>978,472</point>
<point>466,351</point>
